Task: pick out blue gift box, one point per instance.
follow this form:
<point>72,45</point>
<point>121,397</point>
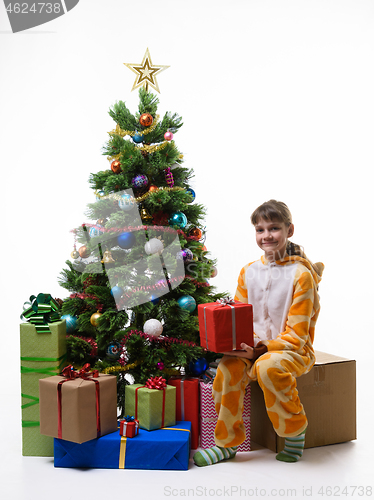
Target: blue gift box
<point>167,448</point>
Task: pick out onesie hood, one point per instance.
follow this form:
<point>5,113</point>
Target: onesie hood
<point>315,269</point>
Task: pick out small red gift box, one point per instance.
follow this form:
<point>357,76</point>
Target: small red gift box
<point>129,428</point>
<point>225,325</point>
<point>188,404</point>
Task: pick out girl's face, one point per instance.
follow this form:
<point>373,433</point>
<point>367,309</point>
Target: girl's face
<point>271,237</point>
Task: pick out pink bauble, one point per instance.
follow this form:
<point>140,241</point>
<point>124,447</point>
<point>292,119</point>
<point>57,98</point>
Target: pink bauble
<point>160,365</point>
<point>168,136</point>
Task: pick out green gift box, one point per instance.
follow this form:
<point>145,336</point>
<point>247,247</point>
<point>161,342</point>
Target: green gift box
<point>43,354</point>
<point>154,408</point>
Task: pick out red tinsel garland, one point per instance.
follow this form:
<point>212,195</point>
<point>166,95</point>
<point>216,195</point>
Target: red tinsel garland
<point>89,340</point>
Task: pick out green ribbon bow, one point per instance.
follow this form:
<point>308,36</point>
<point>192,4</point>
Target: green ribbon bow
<point>41,310</point>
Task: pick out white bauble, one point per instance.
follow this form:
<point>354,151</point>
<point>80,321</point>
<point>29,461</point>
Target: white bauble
<point>153,327</point>
<point>152,246</point>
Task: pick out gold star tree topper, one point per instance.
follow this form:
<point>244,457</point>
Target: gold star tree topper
<point>146,73</point>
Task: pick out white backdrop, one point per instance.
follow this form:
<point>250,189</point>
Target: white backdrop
<point>277,101</point>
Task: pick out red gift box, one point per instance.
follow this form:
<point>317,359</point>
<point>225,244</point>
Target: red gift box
<point>188,404</point>
<point>224,326</point>
<point>129,429</point>
<point>209,417</point>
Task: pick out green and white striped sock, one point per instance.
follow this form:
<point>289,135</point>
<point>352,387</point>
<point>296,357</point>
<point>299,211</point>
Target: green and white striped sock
<point>214,455</point>
<point>293,448</point>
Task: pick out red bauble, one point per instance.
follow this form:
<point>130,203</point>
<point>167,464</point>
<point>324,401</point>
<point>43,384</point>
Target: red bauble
<point>153,188</point>
<point>84,252</point>
<point>116,167</point>
<point>195,233</point>
<point>146,120</point>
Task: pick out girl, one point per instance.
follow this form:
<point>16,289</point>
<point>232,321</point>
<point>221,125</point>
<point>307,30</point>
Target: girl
<point>283,289</point>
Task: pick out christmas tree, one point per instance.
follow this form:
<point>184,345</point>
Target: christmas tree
<point>141,267</point>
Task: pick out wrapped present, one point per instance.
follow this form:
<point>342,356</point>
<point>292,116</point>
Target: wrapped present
<point>225,324</point>
<point>208,418</point>
<point>188,404</point>
<point>43,353</point>
<point>78,405</point>
<point>153,404</point>
<point>162,449</point>
<point>129,427</point>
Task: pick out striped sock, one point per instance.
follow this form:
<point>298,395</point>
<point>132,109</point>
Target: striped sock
<point>293,448</point>
<point>214,455</point>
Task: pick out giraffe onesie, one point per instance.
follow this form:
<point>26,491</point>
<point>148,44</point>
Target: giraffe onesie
<point>284,296</point>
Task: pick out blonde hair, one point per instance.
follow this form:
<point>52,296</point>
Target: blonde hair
<point>278,211</point>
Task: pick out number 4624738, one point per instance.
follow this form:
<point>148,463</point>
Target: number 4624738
<point>37,7</point>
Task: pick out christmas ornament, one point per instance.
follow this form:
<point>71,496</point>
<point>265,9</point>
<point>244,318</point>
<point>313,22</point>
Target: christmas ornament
<point>160,365</point>
<point>116,292</point>
<point>138,138</point>
<point>126,202</point>
<point>107,258</point>
<point>153,327</point>
<point>152,246</point>
<point>146,119</point>
<point>187,303</point>
<point>152,188</point>
<point>169,177</point>
<point>214,272</point>
<point>126,240</point>
<point>168,136</point>
<point>116,167</point>
<point>71,323</point>
<point>155,299</point>
<point>198,366</point>
<point>178,219</point>
<point>195,233</point>
<point>192,193</point>
<point>100,194</point>
<point>74,254</point>
<point>146,73</point>
<point>186,255</point>
<point>102,222</point>
<point>94,232</point>
<point>83,252</point>
<point>94,318</point>
<point>145,216</point>
<point>139,181</point>
<point>113,351</point>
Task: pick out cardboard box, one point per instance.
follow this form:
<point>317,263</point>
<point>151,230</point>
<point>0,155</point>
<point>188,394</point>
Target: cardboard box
<point>78,402</point>
<point>328,394</point>
<point>225,327</point>
<point>146,405</point>
<point>208,418</point>
<point>162,449</point>
<point>42,355</point>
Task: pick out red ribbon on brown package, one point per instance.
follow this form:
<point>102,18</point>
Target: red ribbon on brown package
<point>157,383</point>
<point>71,374</point>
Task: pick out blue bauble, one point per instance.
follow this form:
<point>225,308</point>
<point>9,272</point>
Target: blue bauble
<point>113,351</point>
<point>187,303</point>
<point>100,194</point>
<point>154,299</point>
<point>138,138</point>
<point>94,232</point>
<point>178,219</point>
<point>71,323</point>
<point>126,240</point>
<point>116,292</point>
<point>198,366</point>
<point>192,193</point>
<point>126,202</point>
<point>139,181</point>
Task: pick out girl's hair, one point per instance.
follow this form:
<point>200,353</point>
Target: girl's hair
<point>278,211</point>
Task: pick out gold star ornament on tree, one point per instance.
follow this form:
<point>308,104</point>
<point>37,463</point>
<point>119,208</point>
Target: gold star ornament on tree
<point>146,73</point>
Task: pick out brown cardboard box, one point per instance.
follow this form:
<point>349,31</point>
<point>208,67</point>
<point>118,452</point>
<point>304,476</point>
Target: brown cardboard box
<point>328,393</point>
<point>78,398</point>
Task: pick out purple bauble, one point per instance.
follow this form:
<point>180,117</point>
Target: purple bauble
<point>160,365</point>
<point>185,254</point>
<point>139,181</point>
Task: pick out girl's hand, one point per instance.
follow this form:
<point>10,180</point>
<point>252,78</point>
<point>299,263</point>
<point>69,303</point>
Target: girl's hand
<point>247,352</point>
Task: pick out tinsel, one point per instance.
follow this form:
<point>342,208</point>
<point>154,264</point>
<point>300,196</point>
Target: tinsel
<point>117,196</point>
<point>89,340</point>
<point>122,133</point>
<point>84,296</point>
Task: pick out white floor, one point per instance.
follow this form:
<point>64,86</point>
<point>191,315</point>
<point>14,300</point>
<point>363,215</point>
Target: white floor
<point>250,475</point>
